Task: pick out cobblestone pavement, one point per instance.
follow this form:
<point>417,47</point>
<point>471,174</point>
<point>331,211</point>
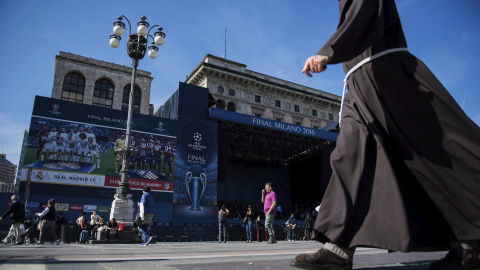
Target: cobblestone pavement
<point>191,255</point>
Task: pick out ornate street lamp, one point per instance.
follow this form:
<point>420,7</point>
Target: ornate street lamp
<point>136,49</point>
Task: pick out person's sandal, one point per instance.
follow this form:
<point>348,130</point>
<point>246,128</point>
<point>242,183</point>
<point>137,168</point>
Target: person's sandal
<point>322,259</point>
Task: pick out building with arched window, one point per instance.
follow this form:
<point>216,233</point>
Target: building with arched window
<point>85,80</point>
<point>235,88</point>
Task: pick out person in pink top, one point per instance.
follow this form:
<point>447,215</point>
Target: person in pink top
<point>269,198</point>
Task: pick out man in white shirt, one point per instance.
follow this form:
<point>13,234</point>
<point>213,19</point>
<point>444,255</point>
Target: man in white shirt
<point>91,135</point>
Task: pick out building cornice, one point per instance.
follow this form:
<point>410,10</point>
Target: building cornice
<point>102,64</point>
<point>261,81</point>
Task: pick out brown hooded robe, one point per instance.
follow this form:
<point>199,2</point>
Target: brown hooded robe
<point>406,168</point>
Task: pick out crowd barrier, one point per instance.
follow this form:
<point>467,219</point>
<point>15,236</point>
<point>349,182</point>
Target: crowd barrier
<point>196,232</point>
<point>181,232</point>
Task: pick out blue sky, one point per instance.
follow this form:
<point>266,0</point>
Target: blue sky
<point>273,37</point>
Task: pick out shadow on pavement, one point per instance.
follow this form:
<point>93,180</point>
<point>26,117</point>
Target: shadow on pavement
<point>418,265</point>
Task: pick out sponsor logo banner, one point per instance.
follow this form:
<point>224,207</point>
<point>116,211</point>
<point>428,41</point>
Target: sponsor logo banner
<point>33,204</point>
<point>76,207</point>
<point>56,177</point>
<point>61,206</point>
<point>103,209</point>
<point>158,186</point>
<point>89,208</point>
<point>44,205</point>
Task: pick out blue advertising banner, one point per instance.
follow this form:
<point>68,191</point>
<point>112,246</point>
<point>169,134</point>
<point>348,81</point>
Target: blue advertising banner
<point>33,204</point>
<point>271,124</point>
<point>103,117</point>
<point>74,144</point>
<point>195,190</point>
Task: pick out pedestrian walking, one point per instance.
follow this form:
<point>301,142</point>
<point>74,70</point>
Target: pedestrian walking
<point>146,215</point>
<point>16,213</point>
<point>47,223</point>
<point>406,164</point>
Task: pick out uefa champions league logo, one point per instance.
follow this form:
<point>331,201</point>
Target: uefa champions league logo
<point>55,108</point>
<point>160,127</point>
<point>197,136</point>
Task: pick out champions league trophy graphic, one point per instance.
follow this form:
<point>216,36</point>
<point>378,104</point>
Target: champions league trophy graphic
<point>195,187</point>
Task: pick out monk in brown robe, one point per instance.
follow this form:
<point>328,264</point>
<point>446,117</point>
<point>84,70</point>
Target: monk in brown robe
<point>406,168</point>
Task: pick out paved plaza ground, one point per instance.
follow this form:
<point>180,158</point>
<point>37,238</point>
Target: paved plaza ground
<point>193,255</point>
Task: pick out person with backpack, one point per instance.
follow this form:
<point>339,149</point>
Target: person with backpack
<point>146,215</point>
<point>222,224</point>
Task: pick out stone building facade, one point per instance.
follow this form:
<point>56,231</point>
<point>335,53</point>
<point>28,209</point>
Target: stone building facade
<point>95,82</point>
<point>238,89</point>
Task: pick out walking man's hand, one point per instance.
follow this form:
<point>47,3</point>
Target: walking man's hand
<point>315,64</point>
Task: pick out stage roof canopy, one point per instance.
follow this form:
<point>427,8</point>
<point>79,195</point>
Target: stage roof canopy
<point>259,139</point>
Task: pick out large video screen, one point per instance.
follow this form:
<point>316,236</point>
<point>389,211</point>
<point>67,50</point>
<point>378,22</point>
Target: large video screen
<point>74,144</point>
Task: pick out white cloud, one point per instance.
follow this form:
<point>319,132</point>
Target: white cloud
<point>469,38</point>
<point>12,138</point>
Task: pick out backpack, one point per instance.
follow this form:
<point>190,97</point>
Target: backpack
<point>222,218</point>
<point>138,220</point>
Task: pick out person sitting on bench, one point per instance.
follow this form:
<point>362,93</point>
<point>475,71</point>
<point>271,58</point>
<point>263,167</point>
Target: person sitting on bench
<point>98,225</point>
<point>112,227</point>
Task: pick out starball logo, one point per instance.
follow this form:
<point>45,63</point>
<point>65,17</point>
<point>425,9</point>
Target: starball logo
<point>160,127</point>
<point>197,137</point>
<point>55,109</point>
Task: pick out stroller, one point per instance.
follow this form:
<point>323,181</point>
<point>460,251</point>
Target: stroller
<point>29,227</point>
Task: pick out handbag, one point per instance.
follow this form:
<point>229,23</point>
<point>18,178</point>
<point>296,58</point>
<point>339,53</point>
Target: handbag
<point>40,225</point>
<point>245,220</point>
<point>22,229</point>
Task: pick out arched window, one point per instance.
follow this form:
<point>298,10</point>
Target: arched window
<point>220,104</point>
<point>137,96</point>
<point>103,93</point>
<point>232,107</point>
<point>73,87</point>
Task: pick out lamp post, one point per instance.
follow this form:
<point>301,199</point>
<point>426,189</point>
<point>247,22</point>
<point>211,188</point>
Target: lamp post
<point>122,206</point>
